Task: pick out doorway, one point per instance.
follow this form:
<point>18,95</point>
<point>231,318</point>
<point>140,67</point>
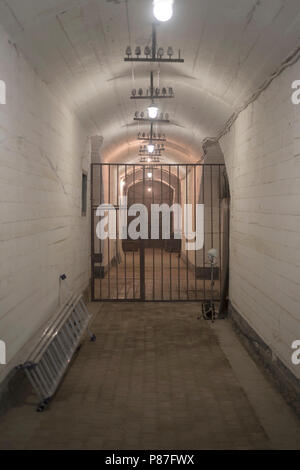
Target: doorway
<point>160,269</point>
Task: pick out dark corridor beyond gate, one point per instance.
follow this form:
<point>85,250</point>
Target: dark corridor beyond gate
<point>162,269</point>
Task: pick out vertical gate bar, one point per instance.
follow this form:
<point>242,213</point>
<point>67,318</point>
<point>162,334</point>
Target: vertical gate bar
<point>203,261</point>
<point>142,248</point>
<point>161,232</point>
<point>179,255</point>
<point>92,234</point>
<point>211,208</point>
<point>101,244</point>
<point>170,202</point>
<point>220,234</point>
<point>108,239</point>
<point>150,236</point>
<point>125,253</point>
<point>195,222</point>
<point>118,233</point>
<point>142,272</point>
<point>186,253</point>
<point>133,249</point>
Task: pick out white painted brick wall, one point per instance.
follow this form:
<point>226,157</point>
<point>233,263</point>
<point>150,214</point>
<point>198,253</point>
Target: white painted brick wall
<point>262,155</point>
<point>43,150</point>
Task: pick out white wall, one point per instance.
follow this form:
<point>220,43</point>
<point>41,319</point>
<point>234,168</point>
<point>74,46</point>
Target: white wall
<point>262,154</point>
<point>43,149</point>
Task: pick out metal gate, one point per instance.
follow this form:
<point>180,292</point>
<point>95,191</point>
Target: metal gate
<point>162,268</point>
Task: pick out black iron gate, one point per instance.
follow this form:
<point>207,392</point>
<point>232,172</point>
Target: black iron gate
<point>160,269</point>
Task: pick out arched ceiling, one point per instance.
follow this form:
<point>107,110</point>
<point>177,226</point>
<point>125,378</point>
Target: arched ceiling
<point>230,48</point>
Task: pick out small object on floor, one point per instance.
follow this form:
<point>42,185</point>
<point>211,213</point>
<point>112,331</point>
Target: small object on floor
<point>92,337</point>
<point>208,311</point>
<point>42,406</point>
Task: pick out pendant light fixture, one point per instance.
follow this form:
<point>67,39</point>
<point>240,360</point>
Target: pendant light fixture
<point>151,148</point>
<point>152,111</point>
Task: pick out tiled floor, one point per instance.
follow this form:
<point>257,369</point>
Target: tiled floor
<point>156,378</point>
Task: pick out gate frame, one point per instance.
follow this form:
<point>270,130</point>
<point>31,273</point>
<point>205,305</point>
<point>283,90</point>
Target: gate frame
<point>141,248</point>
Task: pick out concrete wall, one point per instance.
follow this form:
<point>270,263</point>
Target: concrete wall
<point>204,185</point>
<point>262,154</point>
<point>43,150</point>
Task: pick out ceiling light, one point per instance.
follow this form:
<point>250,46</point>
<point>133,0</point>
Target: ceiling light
<point>151,148</point>
<point>152,111</point>
<point>149,190</point>
<point>149,175</point>
<point>163,9</point>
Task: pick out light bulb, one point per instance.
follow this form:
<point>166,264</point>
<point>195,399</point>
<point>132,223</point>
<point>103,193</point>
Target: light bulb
<point>150,148</point>
<point>163,9</point>
<point>149,175</point>
<point>149,190</point>
<point>152,112</point>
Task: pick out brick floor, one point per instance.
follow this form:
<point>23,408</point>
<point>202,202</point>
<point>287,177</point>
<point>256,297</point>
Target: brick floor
<point>156,378</point>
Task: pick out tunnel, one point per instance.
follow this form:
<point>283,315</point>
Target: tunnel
<point>150,225</point>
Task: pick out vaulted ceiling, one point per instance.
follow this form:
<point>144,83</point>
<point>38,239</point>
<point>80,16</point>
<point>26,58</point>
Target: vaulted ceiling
<point>230,48</point>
